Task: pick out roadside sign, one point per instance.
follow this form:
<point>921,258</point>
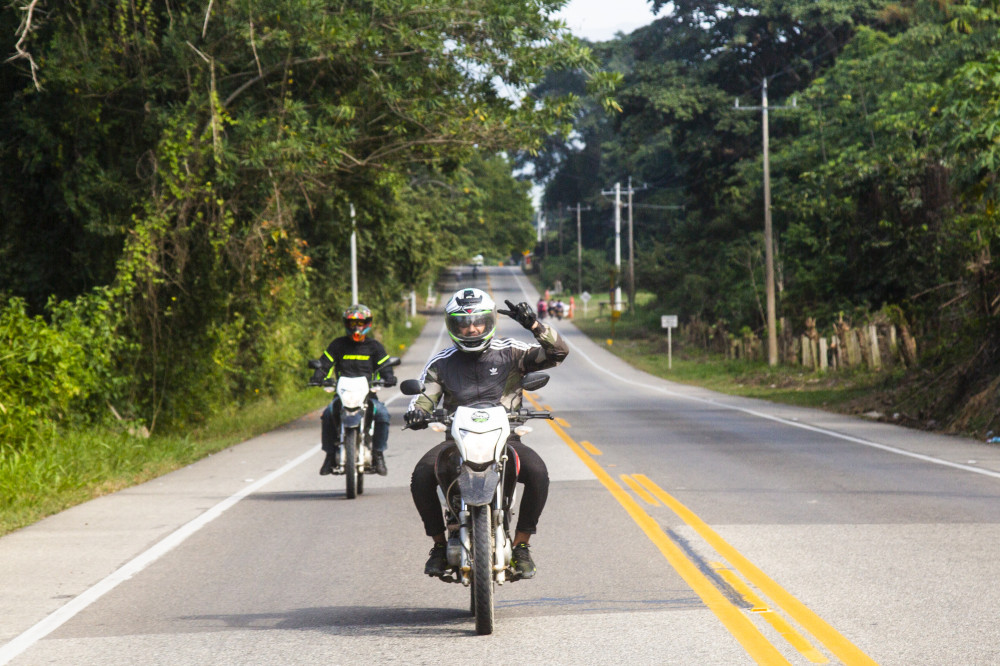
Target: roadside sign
<point>669,322</point>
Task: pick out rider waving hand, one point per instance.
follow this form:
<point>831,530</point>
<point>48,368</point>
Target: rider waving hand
<point>480,367</point>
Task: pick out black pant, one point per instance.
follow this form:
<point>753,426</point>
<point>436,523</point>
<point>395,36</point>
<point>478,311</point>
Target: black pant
<point>533,474</point>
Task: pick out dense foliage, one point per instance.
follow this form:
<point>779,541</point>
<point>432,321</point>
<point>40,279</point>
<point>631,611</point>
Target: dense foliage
<point>180,174</point>
<point>883,173</point>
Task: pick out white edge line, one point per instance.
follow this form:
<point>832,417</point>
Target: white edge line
<point>58,617</point>
<point>778,419</point>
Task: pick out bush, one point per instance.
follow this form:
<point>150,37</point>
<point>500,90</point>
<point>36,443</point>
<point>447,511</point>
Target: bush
<point>50,370</point>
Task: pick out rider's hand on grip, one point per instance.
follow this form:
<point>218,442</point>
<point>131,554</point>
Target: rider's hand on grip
<point>388,381</point>
<point>521,313</point>
<point>416,419</point>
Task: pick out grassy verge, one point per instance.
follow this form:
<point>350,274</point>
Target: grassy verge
<point>843,392</point>
<point>80,464</point>
<point>639,340</point>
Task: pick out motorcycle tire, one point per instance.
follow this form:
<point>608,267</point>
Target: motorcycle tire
<point>351,462</point>
<point>482,567</point>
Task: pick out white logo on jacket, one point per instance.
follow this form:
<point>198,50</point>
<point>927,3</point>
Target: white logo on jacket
<point>493,372</point>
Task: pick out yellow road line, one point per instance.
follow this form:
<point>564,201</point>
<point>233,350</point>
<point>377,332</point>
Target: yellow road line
<point>562,422</point>
<point>638,490</point>
<point>794,638</point>
<point>756,645</point>
<point>807,619</point>
<point>591,449</point>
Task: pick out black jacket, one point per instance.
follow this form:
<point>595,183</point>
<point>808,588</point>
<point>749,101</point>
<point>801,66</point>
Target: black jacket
<point>346,358</point>
<point>493,375</point>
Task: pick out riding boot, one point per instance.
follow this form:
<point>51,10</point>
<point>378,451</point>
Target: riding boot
<point>329,463</point>
<point>378,459</point>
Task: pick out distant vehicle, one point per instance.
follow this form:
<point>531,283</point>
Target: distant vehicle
<point>477,260</point>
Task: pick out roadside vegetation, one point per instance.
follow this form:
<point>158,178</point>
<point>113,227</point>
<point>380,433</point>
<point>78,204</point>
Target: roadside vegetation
<point>881,184</point>
<point>640,340</point>
<point>76,463</point>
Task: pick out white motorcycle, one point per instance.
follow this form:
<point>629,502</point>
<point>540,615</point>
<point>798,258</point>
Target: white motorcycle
<point>357,424</point>
<point>477,481</point>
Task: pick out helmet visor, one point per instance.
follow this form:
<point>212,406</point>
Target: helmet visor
<point>471,327</point>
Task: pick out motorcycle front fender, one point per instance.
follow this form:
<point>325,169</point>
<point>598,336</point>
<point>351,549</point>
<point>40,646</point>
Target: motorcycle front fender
<point>478,488</point>
<point>351,419</point>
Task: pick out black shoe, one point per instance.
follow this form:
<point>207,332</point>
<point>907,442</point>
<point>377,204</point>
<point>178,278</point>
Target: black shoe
<point>437,563</point>
<point>521,561</point>
<point>378,459</point>
<point>328,464</point>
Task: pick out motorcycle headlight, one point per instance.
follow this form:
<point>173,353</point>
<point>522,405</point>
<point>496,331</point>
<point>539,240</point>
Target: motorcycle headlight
<point>480,447</point>
<point>352,399</point>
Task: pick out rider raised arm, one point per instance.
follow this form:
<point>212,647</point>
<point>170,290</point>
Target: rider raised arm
<point>481,368</point>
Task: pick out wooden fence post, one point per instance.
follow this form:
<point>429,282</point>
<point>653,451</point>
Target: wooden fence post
<point>876,357</point>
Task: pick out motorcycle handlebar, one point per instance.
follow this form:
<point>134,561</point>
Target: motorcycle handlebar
<point>378,383</point>
<point>441,416</point>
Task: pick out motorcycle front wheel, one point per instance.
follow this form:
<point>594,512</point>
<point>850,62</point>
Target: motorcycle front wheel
<point>482,567</point>
<point>351,462</point>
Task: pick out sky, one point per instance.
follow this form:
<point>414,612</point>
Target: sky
<point>599,20</point>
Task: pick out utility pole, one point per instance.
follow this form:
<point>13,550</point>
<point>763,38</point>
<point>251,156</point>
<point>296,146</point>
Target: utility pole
<point>772,329</point>
<point>631,254</point>
<point>579,250</point>
<point>617,304</point>
<point>354,259</point>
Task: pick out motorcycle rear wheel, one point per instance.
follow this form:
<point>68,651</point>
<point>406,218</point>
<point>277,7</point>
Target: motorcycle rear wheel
<point>351,462</point>
<point>482,567</point>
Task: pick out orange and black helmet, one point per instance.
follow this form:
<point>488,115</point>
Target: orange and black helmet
<point>358,321</point>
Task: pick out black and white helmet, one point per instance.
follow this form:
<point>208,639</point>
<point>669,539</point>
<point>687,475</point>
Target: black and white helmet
<point>471,318</point>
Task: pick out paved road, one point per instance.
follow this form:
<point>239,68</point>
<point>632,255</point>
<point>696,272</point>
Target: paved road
<point>683,527</point>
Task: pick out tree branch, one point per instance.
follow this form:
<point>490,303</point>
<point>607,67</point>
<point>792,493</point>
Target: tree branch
<point>24,30</point>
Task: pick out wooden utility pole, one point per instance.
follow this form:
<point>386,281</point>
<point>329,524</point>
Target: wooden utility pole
<point>772,328</point>
<point>579,250</point>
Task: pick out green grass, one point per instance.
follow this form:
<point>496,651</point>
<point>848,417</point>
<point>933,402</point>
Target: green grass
<point>638,340</point>
<point>785,384</point>
<point>76,465</point>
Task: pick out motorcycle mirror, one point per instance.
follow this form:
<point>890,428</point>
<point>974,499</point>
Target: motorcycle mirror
<point>534,381</point>
<point>411,387</point>
<point>314,364</point>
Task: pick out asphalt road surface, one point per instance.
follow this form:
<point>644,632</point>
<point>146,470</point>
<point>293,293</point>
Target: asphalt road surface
<point>682,527</point>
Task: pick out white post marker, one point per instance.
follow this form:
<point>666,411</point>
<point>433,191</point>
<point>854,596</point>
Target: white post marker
<point>669,322</point>
<point>585,297</point>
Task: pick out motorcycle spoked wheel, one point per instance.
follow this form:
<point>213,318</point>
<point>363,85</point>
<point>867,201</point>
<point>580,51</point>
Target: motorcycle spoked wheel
<point>351,462</point>
<point>482,568</point>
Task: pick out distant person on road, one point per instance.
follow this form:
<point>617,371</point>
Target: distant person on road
<point>542,309</point>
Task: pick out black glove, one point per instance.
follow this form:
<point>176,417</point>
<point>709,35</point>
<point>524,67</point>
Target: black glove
<point>317,378</point>
<point>521,313</point>
<point>416,419</point>
<point>388,381</point>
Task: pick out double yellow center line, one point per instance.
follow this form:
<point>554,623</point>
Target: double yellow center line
<point>733,618</point>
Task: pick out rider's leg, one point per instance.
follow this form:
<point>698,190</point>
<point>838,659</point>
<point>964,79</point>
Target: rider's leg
<point>380,438</point>
<point>423,486</point>
<point>535,477</point>
<point>330,440</point>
